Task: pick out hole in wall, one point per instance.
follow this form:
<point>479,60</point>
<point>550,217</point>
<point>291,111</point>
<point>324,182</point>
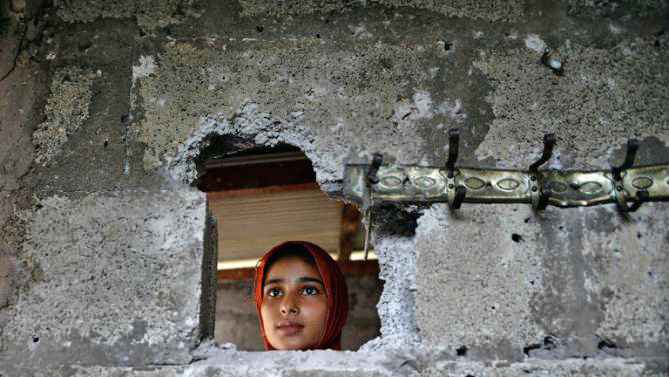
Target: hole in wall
<point>461,351</point>
<point>549,343</point>
<point>531,347</point>
<point>394,219</point>
<point>606,344</point>
<point>262,196</point>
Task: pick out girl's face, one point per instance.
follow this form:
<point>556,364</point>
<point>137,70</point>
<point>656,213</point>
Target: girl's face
<point>294,305</point>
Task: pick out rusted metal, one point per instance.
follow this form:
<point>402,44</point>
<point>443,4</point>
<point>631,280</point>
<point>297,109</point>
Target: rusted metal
<point>626,185</point>
<point>570,188</point>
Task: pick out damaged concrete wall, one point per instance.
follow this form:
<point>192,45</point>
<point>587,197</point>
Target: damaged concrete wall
<point>108,105</point>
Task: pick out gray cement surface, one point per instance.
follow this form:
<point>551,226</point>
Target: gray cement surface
<point>114,280</point>
<point>110,104</point>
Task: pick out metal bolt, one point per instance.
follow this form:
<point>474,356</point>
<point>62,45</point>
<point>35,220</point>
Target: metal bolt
<point>552,60</point>
<point>534,189</point>
<point>450,186</point>
<point>554,63</point>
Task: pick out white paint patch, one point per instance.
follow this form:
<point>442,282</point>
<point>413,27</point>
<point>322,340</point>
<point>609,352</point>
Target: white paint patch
<point>423,107</point>
<point>406,110</point>
<point>534,43</point>
<point>146,67</point>
<point>555,162</point>
<point>441,46</point>
<point>615,29</point>
<point>423,104</point>
<point>360,31</point>
<point>454,111</point>
<point>611,83</point>
<point>32,346</point>
<point>339,126</point>
<point>590,287</point>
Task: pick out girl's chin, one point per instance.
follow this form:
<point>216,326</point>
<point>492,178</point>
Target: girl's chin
<point>291,346</point>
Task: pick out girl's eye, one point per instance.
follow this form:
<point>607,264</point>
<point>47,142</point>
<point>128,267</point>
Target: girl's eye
<point>310,291</point>
<point>274,292</point>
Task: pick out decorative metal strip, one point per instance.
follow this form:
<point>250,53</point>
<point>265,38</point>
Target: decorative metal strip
<point>562,188</point>
<point>627,186</point>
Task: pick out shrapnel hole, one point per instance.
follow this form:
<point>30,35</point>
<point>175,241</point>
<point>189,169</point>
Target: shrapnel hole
<point>262,196</point>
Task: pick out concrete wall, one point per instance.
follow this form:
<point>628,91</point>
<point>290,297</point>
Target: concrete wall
<point>108,104</point>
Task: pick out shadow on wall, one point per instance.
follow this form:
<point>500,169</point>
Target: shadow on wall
<point>237,322</point>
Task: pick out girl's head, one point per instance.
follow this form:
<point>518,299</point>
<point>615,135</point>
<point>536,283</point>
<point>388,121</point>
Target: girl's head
<point>301,298</point>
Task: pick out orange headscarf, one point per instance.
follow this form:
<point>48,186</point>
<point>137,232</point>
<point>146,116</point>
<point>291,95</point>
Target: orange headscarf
<point>335,290</point>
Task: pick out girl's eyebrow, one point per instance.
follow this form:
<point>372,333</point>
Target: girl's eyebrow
<point>274,281</point>
<point>306,279</point>
<point>303,279</point>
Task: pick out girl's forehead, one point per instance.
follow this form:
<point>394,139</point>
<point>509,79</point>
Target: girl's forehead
<point>291,267</point>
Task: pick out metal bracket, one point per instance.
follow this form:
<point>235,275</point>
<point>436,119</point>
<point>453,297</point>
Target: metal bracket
<point>626,185</point>
<point>540,194</point>
<point>456,193</point>
<point>618,174</point>
<point>371,179</point>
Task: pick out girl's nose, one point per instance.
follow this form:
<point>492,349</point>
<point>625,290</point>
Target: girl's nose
<point>289,305</point>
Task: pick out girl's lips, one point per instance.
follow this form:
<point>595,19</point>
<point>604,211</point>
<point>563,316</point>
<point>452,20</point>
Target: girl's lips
<point>289,328</point>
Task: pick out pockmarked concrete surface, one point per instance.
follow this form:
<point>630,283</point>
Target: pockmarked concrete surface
<point>66,109</point>
<point>115,281</point>
<point>101,245</point>
<point>474,282</point>
<point>150,15</point>
<point>577,281</point>
<point>630,75</point>
<point>329,363</point>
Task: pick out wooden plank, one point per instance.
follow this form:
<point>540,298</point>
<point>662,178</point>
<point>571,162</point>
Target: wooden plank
<point>248,225</point>
<point>256,171</point>
<point>362,268</point>
<point>219,195</point>
<point>256,159</point>
<point>350,220</point>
